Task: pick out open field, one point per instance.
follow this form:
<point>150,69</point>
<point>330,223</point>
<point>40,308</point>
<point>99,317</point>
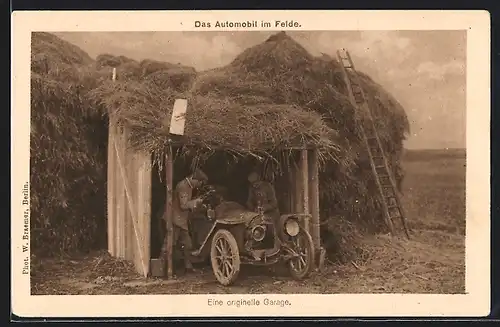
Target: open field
<point>433,261</point>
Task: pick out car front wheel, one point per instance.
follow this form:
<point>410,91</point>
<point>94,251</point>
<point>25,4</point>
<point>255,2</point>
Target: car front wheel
<point>225,257</point>
<point>302,263</point>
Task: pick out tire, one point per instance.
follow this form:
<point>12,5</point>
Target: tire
<point>303,244</point>
<point>227,268</point>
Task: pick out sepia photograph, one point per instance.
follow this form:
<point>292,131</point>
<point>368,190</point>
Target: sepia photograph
<point>247,162</point>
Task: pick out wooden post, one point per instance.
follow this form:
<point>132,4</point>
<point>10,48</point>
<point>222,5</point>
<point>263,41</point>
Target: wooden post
<point>291,189</point>
<point>304,179</point>
<point>121,200</point>
<point>111,189</point>
<point>111,183</point>
<point>144,210</point>
<point>129,181</point>
<point>314,197</point>
<point>168,210</point>
<point>314,207</point>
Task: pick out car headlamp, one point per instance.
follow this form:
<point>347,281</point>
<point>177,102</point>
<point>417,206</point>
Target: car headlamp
<point>292,227</point>
<point>259,233</point>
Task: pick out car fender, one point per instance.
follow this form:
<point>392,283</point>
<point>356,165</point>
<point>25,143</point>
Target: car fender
<point>217,225</point>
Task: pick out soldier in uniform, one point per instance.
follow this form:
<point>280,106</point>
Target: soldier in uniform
<point>262,197</point>
<point>182,204</point>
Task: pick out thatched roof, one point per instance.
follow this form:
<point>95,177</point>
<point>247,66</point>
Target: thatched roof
<point>272,95</point>
<point>212,123</point>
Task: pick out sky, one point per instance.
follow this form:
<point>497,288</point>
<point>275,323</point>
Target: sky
<point>423,70</point>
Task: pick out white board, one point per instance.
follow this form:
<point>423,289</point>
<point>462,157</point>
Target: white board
<point>178,120</point>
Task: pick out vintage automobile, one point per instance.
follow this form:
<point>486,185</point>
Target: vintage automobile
<point>229,235</point>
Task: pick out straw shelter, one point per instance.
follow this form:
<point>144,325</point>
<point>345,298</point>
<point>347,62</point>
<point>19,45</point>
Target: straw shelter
<point>226,139</point>
<point>301,98</point>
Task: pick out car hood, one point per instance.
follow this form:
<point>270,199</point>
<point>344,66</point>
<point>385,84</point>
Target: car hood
<point>233,213</point>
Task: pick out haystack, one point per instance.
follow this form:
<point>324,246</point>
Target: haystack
<point>68,155</point>
<point>280,71</point>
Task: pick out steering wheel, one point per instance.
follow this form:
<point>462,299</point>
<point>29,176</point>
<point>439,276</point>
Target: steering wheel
<point>208,195</point>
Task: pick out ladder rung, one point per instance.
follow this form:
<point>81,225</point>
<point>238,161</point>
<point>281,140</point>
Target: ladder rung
<point>394,217</point>
<point>392,203</point>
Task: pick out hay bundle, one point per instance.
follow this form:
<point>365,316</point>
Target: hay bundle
<point>126,69</point>
<point>162,74</point>
<point>151,66</point>
<point>178,79</point>
<point>67,152</point>
<point>48,53</point>
<point>107,60</point>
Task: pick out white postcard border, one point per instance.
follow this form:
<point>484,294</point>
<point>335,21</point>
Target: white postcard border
<point>476,301</point>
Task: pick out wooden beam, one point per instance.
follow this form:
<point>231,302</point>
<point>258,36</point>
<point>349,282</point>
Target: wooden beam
<point>298,189</point>
<point>314,197</point>
<point>291,189</point>
<point>304,179</point>
<point>144,209</point>
<point>111,183</point>
<point>168,210</point>
<point>129,172</point>
<point>120,197</point>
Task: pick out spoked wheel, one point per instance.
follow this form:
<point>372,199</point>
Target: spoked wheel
<point>301,265</point>
<point>225,257</point>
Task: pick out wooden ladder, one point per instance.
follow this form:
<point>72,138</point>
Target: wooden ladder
<point>384,179</point>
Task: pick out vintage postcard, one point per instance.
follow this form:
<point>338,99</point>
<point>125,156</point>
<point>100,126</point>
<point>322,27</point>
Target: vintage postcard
<point>251,163</point>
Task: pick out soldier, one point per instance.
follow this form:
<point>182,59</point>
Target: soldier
<point>262,197</point>
<point>182,204</point>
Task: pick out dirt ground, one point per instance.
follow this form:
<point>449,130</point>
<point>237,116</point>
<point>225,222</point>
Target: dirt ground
<point>433,261</point>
